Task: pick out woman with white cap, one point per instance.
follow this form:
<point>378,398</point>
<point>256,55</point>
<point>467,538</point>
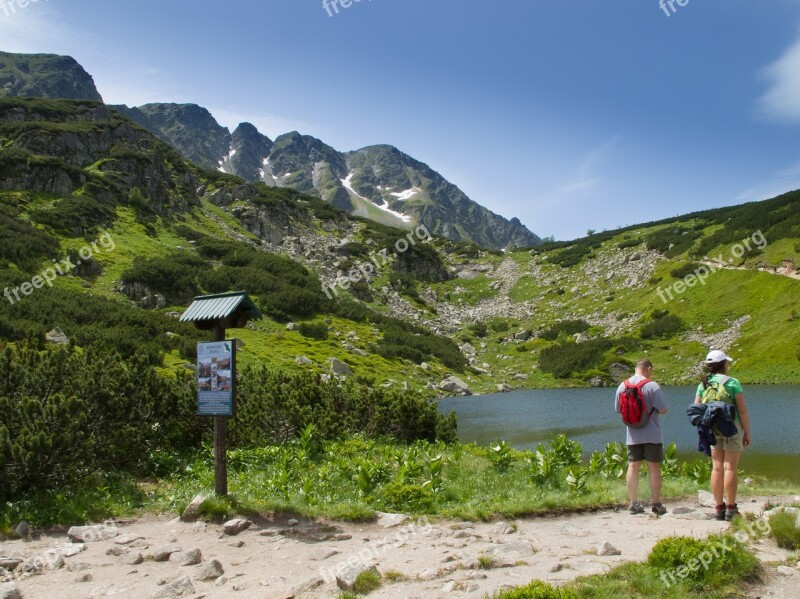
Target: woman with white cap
<point>726,453</point>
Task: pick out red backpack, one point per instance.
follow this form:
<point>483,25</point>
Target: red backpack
<point>633,406</point>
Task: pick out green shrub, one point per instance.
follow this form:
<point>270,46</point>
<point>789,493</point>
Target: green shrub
<point>537,590</point>
<point>568,327</point>
<point>684,270</point>
<point>479,329</point>
<point>500,325</point>
<point>275,406</point>
<point>628,243</point>
<point>21,243</point>
<point>313,330</point>
<point>76,213</point>
<point>563,359</point>
<point>785,531</point>
<point>708,563</point>
<point>662,327</point>
<point>418,345</point>
<point>672,241</point>
<point>68,413</point>
<point>366,582</point>
<point>407,498</point>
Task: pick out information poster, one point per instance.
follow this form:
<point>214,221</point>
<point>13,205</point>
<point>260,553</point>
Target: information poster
<point>216,376</point>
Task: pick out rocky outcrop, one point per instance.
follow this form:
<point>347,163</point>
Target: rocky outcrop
<point>45,76</point>
<point>188,128</point>
<point>44,156</point>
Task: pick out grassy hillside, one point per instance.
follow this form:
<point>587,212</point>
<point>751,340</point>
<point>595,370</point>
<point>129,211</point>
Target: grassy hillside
<point>561,314</point>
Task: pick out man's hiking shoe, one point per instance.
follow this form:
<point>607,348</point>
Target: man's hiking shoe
<point>658,509</point>
<point>720,511</point>
<point>636,508</point>
<point>732,512</point>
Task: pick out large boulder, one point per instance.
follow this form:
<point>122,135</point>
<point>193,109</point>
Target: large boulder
<point>56,336</point>
<point>453,384</point>
<point>181,587</point>
<point>8,590</point>
<point>235,526</point>
<point>92,533</point>
<point>346,577</point>
<point>211,571</point>
<point>339,368</point>
<point>192,511</point>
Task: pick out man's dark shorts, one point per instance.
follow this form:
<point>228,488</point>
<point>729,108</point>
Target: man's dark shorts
<point>652,452</point>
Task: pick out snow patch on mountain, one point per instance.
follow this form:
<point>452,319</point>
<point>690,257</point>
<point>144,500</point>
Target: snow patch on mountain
<point>226,160</point>
<point>407,194</point>
<point>348,185</point>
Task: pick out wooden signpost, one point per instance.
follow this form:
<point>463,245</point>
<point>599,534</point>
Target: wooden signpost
<point>216,366</point>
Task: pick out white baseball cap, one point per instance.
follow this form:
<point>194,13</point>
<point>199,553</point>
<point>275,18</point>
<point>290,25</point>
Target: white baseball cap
<point>715,356</point>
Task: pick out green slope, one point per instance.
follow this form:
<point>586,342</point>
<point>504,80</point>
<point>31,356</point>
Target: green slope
<point>179,230</point>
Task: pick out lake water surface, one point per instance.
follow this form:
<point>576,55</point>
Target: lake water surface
<point>525,418</point>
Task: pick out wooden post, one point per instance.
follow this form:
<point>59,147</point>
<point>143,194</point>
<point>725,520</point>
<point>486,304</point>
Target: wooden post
<point>220,443</point>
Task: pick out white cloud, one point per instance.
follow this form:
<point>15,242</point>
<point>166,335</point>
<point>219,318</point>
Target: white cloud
<point>586,177</point>
<point>781,102</point>
<point>787,179</point>
<point>34,29</point>
<point>133,85</point>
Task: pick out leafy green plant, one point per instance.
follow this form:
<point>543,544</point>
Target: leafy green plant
<point>670,466</point>
<point>576,480</point>
<point>611,463</point>
<point>501,455</point>
<point>698,471</point>
<point>435,482</point>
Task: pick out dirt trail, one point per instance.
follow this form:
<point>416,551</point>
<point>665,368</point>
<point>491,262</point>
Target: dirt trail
<point>278,558</point>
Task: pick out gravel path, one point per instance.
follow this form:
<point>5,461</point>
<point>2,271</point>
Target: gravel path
<point>277,557</point>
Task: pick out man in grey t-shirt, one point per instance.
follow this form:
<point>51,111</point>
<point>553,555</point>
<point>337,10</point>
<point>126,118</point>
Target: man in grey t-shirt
<point>647,442</point>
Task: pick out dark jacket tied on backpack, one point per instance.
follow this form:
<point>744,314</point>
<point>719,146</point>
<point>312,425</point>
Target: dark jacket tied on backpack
<point>711,416</point>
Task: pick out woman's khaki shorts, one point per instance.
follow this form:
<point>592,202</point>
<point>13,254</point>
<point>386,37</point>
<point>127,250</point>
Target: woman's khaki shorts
<point>729,443</point>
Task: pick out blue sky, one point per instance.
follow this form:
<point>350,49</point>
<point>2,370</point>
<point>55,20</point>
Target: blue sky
<point>570,115</point>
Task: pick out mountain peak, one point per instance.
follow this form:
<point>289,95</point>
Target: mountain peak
<point>45,76</point>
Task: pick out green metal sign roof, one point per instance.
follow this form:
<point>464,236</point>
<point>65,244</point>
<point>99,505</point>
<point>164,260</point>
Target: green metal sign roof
<point>223,305</point>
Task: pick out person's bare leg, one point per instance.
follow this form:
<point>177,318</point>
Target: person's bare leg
<point>731,463</point>
<point>654,471</point>
<point>717,475</point>
<point>633,480</point>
